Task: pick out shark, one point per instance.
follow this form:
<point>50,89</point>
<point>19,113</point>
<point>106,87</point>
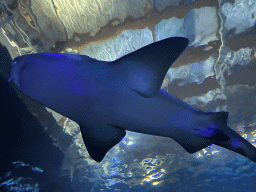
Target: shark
<point>108,98</point>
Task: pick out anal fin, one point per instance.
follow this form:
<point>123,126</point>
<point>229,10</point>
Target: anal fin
<point>100,138</point>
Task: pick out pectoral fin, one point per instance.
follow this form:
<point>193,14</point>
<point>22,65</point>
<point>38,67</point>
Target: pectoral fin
<point>100,138</point>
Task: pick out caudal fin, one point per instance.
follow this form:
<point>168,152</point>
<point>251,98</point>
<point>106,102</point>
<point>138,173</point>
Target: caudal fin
<point>238,144</point>
<point>220,134</point>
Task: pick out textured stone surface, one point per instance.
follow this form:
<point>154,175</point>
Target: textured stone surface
<point>241,15</point>
<point>112,49</point>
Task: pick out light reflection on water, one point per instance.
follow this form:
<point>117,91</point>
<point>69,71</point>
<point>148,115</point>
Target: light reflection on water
<point>155,169</point>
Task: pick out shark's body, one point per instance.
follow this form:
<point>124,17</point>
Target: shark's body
<point>107,98</point>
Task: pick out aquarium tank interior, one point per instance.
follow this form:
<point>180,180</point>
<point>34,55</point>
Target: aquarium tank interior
<point>42,150</point>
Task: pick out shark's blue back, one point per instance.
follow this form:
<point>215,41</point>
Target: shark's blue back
<point>65,82</point>
<point>107,98</point>
<point>142,71</point>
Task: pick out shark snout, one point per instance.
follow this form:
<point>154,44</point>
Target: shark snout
<point>15,72</point>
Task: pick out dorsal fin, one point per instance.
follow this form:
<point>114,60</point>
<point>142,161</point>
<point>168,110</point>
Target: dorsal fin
<point>146,67</point>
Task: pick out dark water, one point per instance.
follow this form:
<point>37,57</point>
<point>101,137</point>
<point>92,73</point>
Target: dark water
<point>28,159</point>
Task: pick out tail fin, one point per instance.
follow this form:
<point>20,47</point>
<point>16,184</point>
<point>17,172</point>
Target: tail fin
<point>219,134</point>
